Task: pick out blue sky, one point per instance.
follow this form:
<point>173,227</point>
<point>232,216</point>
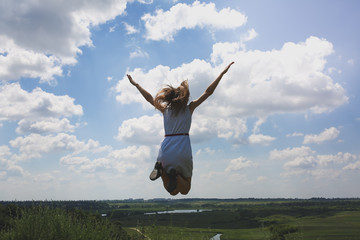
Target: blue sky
<point>283,122</point>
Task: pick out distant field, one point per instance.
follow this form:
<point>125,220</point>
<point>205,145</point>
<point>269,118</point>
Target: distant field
<point>246,219</point>
<point>344,225</point>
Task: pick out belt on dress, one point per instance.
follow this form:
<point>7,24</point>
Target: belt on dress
<point>177,134</point>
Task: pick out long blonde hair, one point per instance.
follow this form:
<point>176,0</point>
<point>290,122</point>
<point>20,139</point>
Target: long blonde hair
<point>174,98</point>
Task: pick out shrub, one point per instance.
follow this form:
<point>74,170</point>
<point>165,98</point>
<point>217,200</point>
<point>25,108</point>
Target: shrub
<point>279,231</point>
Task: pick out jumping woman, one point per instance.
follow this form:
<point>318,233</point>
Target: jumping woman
<point>174,162</point>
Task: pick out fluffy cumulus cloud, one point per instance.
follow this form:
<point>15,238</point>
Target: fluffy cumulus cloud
<point>205,127</point>
<point>48,34</point>
<point>120,160</point>
<point>164,25</point>
<point>290,153</point>
<point>143,130</point>
<point>326,135</point>
<point>239,163</point>
<point>8,167</point>
<point>130,29</point>
<point>45,126</point>
<point>138,53</point>
<point>260,139</point>
<point>35,145</point>
<point>292,79</point>
<point>37,111</point>
<point>304,160</point>
<point>353,166</point>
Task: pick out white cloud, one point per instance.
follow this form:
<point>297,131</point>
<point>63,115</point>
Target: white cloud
<point>213,176</point>
<point>331,70</point>
<point>326,135</point>
<point>351,62</point>
<point>262,178</point>
<point>237,177</point>
<point>71,160</point>
<point>295,134</point>
<point>239,163</point>
<point>339,158</point>
<point>248,36</point>
<point>8,168</point>
<point>143,130</point>
<point>48,34</point>
<point>204,127</point>
<point>112,29</point>
<point>139,53</point>
<point>353,166</point>
<point>164,25</point>
<point>35,145</point>
<point>4,151</point>
<point>130,29</point>
<point>306,162</point>
<point>37,111</point>
<point>290,153</point>
<point>125,160</point>
<point>21,62</point>
<point>44,178</point>
<point>222,49</point>
<point>290,80</point>
<point>260,139</point>
<point>17,104</point>
<point>46,125</point>
<point>146,1</point>
<point>303,160</point>
<point>257,124</point>
<point>206,150</point>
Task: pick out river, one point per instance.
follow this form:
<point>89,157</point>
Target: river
<point>179,211</point>
<point>216,237</point>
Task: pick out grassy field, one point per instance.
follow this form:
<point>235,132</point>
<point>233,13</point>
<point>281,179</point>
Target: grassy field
<point>265,219</point>
<point>258,219</point>
<point>343,225</point>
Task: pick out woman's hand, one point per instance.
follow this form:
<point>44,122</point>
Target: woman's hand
<point>131,80</point>
<point>227,68</point>
<point>143,92</point>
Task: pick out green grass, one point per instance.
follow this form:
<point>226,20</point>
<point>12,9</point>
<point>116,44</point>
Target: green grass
<point>44,223</point>
<point>343,225</point>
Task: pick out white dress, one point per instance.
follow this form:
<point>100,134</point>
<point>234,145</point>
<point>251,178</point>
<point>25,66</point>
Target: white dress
<point>175,151</point>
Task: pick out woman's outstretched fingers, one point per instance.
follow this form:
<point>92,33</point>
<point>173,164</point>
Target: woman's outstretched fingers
<point>227,68</point>
<point>130,79</point>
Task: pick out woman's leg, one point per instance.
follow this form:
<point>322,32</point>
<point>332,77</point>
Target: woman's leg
<point>166,179</point>
<point>183,184</point>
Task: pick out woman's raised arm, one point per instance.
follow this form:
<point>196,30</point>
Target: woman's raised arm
<point>143,92</point>
<point>194,104</point>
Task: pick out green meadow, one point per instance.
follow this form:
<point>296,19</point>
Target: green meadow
<point>269,219</point>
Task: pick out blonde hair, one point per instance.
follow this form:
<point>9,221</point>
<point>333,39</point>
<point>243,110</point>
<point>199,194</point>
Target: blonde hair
<point>174,98</point>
